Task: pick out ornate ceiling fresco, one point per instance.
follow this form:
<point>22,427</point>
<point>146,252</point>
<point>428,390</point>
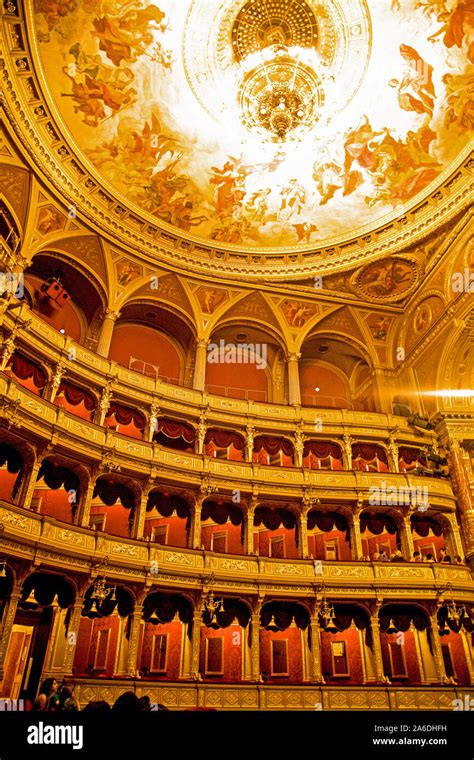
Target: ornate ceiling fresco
<point>265,123</point>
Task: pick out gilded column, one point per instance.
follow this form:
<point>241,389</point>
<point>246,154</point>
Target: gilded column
<point>133,640</point>
<point>7,624</point>
<point>200,363</point>
<point>376,645</point>
<point>464,496</point>
<point>407,537</point>
<point>303,533</point>
<point>316,674</point>
<point>347,452</point>
<point>393,454</point>
<point>139,516</point>
<point>249,528</point>
<point>72,634</point>
<point>108,324</point>
<point>293,379</point>
<point>299,448</point>
<point>152,425</point>
<point>27,488</point>
<point>84,508</point>
<point>104,403</point>
<point>356,538</point>
<point>249,439</point>
<point>196,524</point>
<point>56,382</point>
<point>455,536</point>
<point>8,348</point>
<point>196,644</point>
<point>255,646</point>
<point>436,648</point>
<point>201,434</point>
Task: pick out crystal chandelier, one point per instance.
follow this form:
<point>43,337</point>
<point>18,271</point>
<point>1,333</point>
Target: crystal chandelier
<point>327,614</point>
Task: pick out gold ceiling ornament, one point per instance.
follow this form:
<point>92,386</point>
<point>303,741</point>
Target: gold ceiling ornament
<point>281,96</point>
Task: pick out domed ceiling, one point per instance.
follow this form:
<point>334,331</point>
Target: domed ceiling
<point>264,123</point>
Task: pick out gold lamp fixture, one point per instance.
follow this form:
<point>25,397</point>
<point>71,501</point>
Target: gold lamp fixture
<point>3,568</point>
<point>328,615</point>
<point>101,592</point>
<point>210,604</point>
<point>392,628</point>
<point>455,614</point>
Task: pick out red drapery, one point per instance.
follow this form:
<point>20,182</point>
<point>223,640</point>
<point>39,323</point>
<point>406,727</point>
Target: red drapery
<point>327,521</point>
<point>402,615</point>
<point>125,416</point>
<point>75,396</point>
<point>322,449</point>
<point>11,457</point>
<point>224,438</point>
<point>423,524</point>
<point>220,513</point>
<point>344,614</point>
<point>283,614</point>
<point>110,491</point>
<point>56,476</point>
<point>174,429</point>
<point>24,368</point>
<point>166,606</point>
<point>368,452</point>
<point>273,445</point>
<point>233,608</point>
<point>167,504</point>
<point>123,602</point>
<point>273,518</point>
<point>46,587</point>
<point>377,524</point>
<point>411,455</point>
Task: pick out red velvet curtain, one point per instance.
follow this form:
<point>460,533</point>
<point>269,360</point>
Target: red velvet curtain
<point>123,602</point>
<point>224,438</point>
<point>166,606</point>
<point>273,445</point>
<point>322,449</point>
<point>377,524</point>
<point>56,476</point>
<point>24,368</point>
<point>411,455</point>
<point>174,429</point>
<point>110,492</point>
<point>125,416</point>
<point>402,615</point>
<point>327,521</point>
<point>46,587</point>
<point>451,625</point>
<point>75,396</point>
<point>368,451</point>
<point>220,513</point>
<point>232,609</point>
<point>273,518</point>
<point>284,613</point>
<point>344,615</point>
<point>11,457</point>
<point>166,505</point>
<point>422,526</point>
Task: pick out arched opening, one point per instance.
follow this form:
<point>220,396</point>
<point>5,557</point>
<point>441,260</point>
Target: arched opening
<point>27,373</point>
<point>322,455</point>
<point>369,457</point>
<point>224,444</point>
<point>76,400</point>
<point>125,420</point>
<point>45,599</point>
<point>57,491</point>
<point>241,363</point>
<point>12,469</point>
<point>429,537</point>
<point>165,636</point>
<point>380,535</point>
<point>224,652</point>
<point>102,645</point>
<point>328,536</point>
<point>346,639</point>
<point>284,642</point>
<point>221,527</point>
<point>63,294</point>
<point>113,506</point>
<point>272,450</point>
<point>167,519</point>
<point>174,434</point>
<point>403,638</point>
<point>154,341</point>
<point>275,533</point>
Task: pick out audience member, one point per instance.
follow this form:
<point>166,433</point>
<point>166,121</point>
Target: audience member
<point>67,701</point>
<point>47,698</point>
<point>97,707</point>
<point>416,557</point>
<point>127,702</point>
<point>443,555</point>
<point>429,557</point>
<point>397,556</point>
<point>458,560</point>
<point>376,557</point>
